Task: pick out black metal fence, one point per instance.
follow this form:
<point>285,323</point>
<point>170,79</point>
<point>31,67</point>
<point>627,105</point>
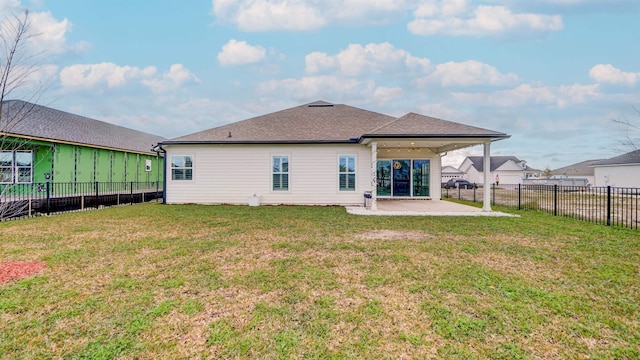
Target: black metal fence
<point>612,206</point>
<point>25,200</point>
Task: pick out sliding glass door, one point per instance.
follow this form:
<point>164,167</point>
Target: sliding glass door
<point>403,177</point>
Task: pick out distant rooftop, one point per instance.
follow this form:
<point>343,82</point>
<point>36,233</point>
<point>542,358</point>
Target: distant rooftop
<point>582,168</point>
<point>495,162</point>
<point>629,158</point>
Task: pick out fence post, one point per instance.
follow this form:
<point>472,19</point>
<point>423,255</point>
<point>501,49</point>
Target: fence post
<point>555,200</point>
<point>474,193</point>
<point>519,197</point>
<point>97,194</point>
<point>608,205</point>
<point>493,192</point>
<point>48,198</point>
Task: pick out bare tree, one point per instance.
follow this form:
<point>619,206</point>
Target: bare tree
<point>18,70</point>
<point>631,141</point>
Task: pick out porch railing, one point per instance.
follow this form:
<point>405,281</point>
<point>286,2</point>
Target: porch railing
<point>25,200</point>
<point>608,205</point>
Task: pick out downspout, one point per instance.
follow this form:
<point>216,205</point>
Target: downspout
<point>157,149</point>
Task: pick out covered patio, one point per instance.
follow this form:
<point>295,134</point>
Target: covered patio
<point>406,159</point>
<point>393,207</point>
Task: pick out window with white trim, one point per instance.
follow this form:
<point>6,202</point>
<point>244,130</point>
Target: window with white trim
<point>16,167</point>
<point>181,167</point>
<point>347,172</point>
<point>280,172</point>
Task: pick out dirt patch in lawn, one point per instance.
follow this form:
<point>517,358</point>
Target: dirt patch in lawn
<point>19,269</point>
<point>392,235</point>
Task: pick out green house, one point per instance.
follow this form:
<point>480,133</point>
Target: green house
<point>39,144</point>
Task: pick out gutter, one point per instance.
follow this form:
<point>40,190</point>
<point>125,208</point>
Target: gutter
<point>437,136</point>
<point>259,142</point>
<point>157,149</point>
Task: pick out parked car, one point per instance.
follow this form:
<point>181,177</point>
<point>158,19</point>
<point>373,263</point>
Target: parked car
<point>459,184</point>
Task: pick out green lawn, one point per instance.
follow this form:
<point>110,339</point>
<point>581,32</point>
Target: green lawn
<point>158,281</point>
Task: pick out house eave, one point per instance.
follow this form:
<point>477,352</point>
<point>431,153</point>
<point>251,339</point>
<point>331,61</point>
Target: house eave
<point>611,165</point>
<point>258,142</point>
<point>365,139</point>
<point>56,141</point>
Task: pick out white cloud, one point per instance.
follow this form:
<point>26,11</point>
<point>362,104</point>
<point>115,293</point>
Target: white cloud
<point>358,60</point>
<point>317,87</point>
<point>263,15</point>
<point>386,94</point>
<point>296,15</point>
<point>177,76</point>
<point>49,33</point>
<point>240,53</point>
<point>527,95</point>
<point>609,74</point>
<point>469,73</point>
<point>458,17</point>
<point>109,74</point>
<point>46,34</point>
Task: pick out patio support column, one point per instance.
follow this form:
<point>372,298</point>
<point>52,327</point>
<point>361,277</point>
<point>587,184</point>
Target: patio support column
<point>486,201</point>
<point>374,179</point>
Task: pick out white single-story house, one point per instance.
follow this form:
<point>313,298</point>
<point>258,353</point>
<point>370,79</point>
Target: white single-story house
<point>507,170</point>
<point>580,170</point>
<point>449,172</point>
<point>619,171</point>
<point>316,154</point>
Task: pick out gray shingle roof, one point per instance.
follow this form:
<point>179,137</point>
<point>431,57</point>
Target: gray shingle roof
<point>321,121</point>
<point>413,124</point>
<point>495,162</point>
<point>25,119</point>
<point>629,158</point>
<point>582,168</point>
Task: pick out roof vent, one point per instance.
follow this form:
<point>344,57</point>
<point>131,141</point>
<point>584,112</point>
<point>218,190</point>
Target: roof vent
<point>320,104</point>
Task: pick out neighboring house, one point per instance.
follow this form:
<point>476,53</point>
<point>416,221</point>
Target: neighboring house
<point>509,170</point>
<point>620,171</point>
<point>577,171</point>
<point>40,144</point>
<point>315,154</point>
<point>449,172</point>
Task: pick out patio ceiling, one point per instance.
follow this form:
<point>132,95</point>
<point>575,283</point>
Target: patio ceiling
<point>437,145</point>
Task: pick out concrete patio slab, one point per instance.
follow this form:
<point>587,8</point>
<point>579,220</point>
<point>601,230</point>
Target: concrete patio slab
<point>423,208</point>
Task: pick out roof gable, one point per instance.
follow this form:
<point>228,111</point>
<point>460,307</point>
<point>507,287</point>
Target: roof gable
<point>413,124</point>
<point>496,162</point>
<point>448,169</point>
<point>21,118</point>
<point>320,121</point>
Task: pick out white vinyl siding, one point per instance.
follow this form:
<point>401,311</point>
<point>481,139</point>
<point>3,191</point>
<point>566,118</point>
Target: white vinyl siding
<point>618,175</point>
<point>230,174</point>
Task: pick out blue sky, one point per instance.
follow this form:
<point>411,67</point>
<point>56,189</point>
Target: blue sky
<point>551,73</point>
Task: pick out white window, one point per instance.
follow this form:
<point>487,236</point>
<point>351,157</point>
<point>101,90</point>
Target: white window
<point>16,167</point>
<point>347,172</point>
<point>6,167</point>
<point>181,167</point>
<point>280,174</point>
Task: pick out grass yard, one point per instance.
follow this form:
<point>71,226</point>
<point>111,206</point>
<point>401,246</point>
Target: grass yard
<point>157,281</point>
